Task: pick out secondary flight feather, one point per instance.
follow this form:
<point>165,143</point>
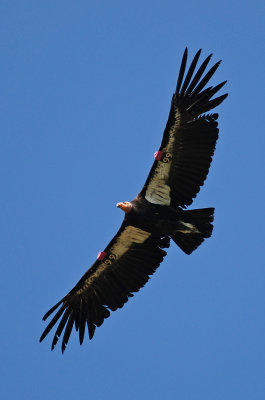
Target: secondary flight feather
<point>156,215</point>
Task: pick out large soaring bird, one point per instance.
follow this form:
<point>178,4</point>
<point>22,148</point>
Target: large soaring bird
<point>157,214</point>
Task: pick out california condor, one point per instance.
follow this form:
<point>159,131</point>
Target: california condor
<point>157,214</point>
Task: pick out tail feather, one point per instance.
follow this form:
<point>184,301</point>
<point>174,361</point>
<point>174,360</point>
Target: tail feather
<point>196,227</point>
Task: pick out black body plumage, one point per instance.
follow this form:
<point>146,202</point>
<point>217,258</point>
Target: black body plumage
<point>157,214</point>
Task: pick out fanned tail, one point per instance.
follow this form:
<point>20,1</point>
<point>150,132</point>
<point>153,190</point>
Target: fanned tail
<point>197,227</point>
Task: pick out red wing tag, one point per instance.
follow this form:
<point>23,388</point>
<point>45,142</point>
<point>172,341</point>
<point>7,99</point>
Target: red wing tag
<point>158,155</point>
<point>101,255</point>
<point>162,156</point>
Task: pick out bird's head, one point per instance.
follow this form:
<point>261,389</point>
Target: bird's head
<point>125,206</point>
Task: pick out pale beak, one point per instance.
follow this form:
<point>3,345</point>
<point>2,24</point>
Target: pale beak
<point>124,206</point>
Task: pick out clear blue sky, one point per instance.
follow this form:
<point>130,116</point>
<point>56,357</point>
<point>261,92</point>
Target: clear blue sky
<point>85,91</point>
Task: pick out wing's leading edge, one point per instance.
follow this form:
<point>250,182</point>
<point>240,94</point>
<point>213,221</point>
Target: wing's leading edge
<point>120,270</point>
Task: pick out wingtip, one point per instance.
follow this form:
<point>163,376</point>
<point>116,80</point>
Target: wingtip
<point>48,313</point>
<point>91,334</point>
<point>218,63</point>
<point>53,346</point>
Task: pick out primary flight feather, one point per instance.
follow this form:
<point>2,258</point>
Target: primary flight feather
<point>157,214</point>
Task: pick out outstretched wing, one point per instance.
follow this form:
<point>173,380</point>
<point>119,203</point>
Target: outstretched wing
<point>182,163</point>
<point>121,269</point>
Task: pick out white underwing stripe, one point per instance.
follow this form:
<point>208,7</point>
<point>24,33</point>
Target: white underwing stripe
<point>130,235</point>
<point>158,192</point>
